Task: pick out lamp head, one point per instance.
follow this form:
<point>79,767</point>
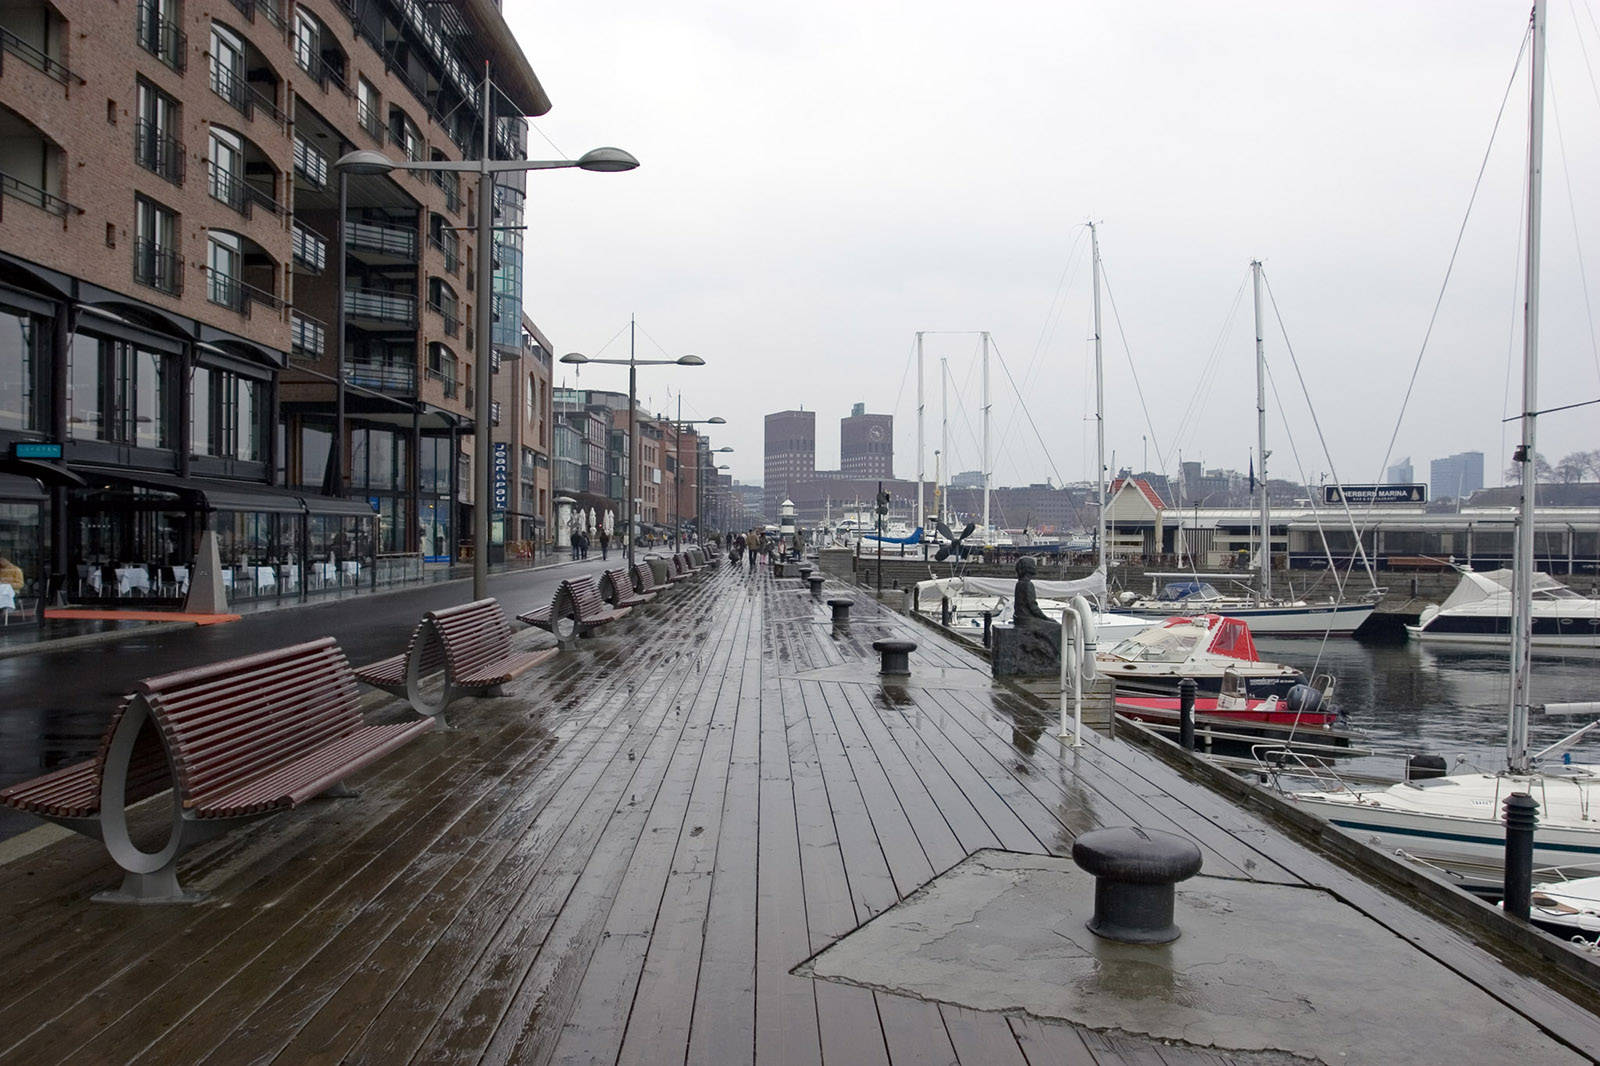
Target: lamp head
<point>574,357</point>
<point>722,449</point>
<point>607,160</point>
<point>716,420</point>
<point>364,161</point>
<point>691,360</point>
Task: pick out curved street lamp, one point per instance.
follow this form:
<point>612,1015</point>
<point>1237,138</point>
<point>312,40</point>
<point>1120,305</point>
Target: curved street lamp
<point>367,161</point>
<point>633,364</point>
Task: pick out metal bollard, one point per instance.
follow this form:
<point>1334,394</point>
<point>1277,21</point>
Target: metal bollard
<point>1135,873</point>
<point>896,656</point>
<point>816,587</point>
<point>944,611</point>
<point>1186,690</point>
<point>1522,817</point>
<point>841,611</point>
<point>988,629</point>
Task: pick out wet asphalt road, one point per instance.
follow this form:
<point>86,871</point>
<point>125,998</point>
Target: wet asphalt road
<point>56,705</point>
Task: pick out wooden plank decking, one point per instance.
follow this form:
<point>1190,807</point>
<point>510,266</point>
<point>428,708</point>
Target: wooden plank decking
<point>622,862</point>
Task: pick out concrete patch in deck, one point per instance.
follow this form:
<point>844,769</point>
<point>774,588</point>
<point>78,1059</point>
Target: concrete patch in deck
<point>866,673</point>
<point>1259,968</point>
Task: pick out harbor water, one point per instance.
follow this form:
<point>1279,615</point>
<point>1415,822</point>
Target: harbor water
<point>1449,702</point>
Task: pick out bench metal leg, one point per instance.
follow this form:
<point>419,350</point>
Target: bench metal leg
<point>414,695</point>
<point>160,886</point>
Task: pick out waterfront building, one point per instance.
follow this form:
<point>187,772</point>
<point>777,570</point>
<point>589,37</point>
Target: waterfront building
<point>1400,473</point>
<point>1455,476</point>
<point>522,422</point>
<point>790,455</point>
<point>866,444</point>
<point>169,286</point>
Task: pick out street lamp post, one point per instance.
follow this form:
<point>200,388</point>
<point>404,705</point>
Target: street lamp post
<point>366,161</point>
<point>633,364</point>
<point>699,490</point>
<point>677,448</point>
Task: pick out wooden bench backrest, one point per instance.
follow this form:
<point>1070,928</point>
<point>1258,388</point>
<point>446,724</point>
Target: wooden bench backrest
<point>585,596</point>
<point>228,722</point>
<point>474,634</point>
<point>643,577</point>
<point>621,584</point>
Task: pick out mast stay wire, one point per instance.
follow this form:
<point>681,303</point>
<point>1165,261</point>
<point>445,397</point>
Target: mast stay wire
<point>1192,415</point>
<point>1455,251</point>
<point>1316,423</point>
<point>1572,206</point>
<point>1128,353</point>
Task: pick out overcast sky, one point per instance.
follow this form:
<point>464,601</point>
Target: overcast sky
<point>821,181</point>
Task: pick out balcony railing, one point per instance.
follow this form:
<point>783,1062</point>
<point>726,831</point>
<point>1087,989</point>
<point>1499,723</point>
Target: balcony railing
<point>450,248</point>
<point>397,307</point>
<point>245,100</point>
<point>229,291</point>
<point>32,194</point>
<point>237,193</point>
<point>447,379</point>
<point>382,377</point>
<point>451,184</point>
<point>158,151</point>
<point>161,37</point>
<point>324,73</point>
<point>367,115</point>
<point>310,163</point>
<point>452,324</point>
<point>310,247</point>
<point>158,267</point>
<point>308,337</point>
<point>40,61</point>
<point>397,241</point>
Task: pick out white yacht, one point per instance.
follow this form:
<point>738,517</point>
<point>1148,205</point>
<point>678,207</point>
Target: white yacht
<point>1195,594</point>
<point>1479,612</point>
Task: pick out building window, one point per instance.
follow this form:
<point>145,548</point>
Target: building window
<point>156,146</point>
<point>223,261</point>
<point>118,391</point>
<point>368,109</point>
<point>228,415</point>
<point>307,43</point>
<point>406,136</point>
<point>442,367</point>
<point>227,168</point>
<point>227,69</point>
<point>21,335</point>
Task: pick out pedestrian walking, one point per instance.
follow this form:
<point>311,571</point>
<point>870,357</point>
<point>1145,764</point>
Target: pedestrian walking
<point>575,539</point>
<point>752,545</point>
<point>605,544</point>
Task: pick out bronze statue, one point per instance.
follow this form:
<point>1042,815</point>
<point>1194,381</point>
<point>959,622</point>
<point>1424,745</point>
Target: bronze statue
<point>1032,645</point>
<point>1025,611</point>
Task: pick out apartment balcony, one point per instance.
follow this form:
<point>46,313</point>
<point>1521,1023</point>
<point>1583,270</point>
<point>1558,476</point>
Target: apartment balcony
<point>395,377</point>
<point>249,88</point>
<point>240,194</point>
<point>253,286</point>
<point>310,164</point>
<point>158,151</point>
<point>447,312</point>
<point>308,336</point>
<point>377,243</point>
<point>368,118</point>
<point>448,246</point>
<point>378,309</point>
<point>158,268</point>
<point>31,32</point>
<point>30,167</point>
<point>161,37</point>
<point>310,248</point>
<point>447,380</point>
<point>271,12</point>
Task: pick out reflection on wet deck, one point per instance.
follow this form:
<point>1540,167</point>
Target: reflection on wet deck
<point>625,861</point>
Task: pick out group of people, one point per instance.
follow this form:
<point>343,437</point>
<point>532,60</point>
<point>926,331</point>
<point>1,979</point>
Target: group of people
<point>581,540</point>
<point>754,545</point>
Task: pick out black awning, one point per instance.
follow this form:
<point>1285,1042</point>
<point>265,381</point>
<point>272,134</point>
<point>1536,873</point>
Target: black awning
<point>42,469</point>
<point>206,493</point>
<point>338,505</point>
<point>20,488</point>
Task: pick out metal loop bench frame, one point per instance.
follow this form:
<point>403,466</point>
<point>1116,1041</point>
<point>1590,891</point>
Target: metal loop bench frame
<point>576,610</point>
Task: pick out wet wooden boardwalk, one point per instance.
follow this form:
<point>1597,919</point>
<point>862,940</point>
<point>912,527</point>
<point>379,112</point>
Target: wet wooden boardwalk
<point>621,863</point>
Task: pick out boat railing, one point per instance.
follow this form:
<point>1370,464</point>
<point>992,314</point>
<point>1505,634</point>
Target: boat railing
<point>1276,760</point>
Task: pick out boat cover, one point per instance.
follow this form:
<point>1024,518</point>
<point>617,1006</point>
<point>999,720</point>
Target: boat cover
<point>1093,585</point>
<point>1479,585</point>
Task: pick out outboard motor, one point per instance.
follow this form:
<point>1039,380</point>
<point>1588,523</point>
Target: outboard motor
<point>1420,767</point>
<point>1303,699</point>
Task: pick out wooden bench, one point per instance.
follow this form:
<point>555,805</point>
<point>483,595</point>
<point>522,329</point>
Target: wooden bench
<point>663,571</point>
<point>576,609</point>
<point>470,643</point>
<point>616,588</point>
<point>644,580</point>
<point>236,740</point>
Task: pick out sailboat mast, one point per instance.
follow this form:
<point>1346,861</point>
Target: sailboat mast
<point>922,515</point>
<point>944,434</point>
<point>988,539</point>
<point>1522,573</point>
<point>1099,403</point>
<point>1261,440</point>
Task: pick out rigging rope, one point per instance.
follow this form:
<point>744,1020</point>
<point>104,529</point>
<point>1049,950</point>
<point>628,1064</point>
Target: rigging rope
<point>1572,206</point>
<point>1128,352</point>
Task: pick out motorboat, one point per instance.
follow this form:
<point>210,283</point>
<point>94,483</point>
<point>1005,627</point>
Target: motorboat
<point>1216,651</point>
<point>1568,908</point>
<point>1478,612</point>
<point>966,600</point>
<point>1186,594</point>
<point>1304,707</point>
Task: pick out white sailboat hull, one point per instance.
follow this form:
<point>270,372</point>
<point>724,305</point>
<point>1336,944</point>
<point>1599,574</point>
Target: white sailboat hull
<point>1282,620</point>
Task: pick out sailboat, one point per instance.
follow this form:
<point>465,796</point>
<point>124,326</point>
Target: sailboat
<point>1454,821</point>
<point>1269,615</point>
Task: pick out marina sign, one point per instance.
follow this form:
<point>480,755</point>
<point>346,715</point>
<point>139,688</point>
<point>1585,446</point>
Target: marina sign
<point>1362,495</point>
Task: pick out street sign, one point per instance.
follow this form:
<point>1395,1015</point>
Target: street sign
<point>1362,495</point>
<point>502,476</point>
<point>35,449</point>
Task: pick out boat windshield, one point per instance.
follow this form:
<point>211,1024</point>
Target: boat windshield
<point>1188,590</point>
<point>1558,592</point>
<point>1161,644</point>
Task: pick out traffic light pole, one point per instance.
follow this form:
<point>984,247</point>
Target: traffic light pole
<point>881,510</point>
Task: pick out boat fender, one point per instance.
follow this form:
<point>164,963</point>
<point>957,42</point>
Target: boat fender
<point>1424,766</point>
<point>1086,626</point>
<point>1303,699</point>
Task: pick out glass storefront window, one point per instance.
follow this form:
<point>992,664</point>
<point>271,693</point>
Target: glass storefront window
<point>20,335</point>
<point>316,443</point>
<point>83,388</point>
<point>21,548</point>
<point>200,412</point>
<point>434,518</point>
<point>150,399</point>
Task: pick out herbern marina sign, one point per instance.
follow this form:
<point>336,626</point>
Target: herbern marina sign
<point>1363,495</point>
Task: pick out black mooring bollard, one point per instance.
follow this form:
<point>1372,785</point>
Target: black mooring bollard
<point>841,611</point>
<point>1186,690</point>
<point>805,573</point>
<point>816,587</point>
<point>896,656</point>
<point>1522,817</point>
<point>944,611</point>
<point>988,629</point>
<point>1135,873</point>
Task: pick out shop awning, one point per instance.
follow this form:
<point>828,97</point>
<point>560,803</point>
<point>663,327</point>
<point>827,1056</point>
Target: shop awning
<point>20,488</point>
<point>207,493</point>
<point>42,469</point>
<point>338,505</point>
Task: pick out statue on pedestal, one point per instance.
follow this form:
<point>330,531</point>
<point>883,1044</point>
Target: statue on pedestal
<point>1032,646</point>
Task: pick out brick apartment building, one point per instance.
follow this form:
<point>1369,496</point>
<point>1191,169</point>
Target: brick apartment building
<point>171,252</point>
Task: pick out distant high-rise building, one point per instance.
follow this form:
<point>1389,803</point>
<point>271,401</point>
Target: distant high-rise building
<point>791,454</point>
<point>1400,473</point>
<point>1457,476</point>
<point>866,444</point>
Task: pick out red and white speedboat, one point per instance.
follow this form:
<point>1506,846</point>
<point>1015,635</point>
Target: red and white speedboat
<point>1214,650</point>
<point>1304,707</point>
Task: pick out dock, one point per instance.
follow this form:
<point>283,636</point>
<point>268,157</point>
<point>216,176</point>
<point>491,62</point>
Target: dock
<point>715,834</point>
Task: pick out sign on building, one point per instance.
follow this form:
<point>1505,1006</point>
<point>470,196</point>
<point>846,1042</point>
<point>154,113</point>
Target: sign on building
<point>502,476</point>
<point>1363,495</point>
